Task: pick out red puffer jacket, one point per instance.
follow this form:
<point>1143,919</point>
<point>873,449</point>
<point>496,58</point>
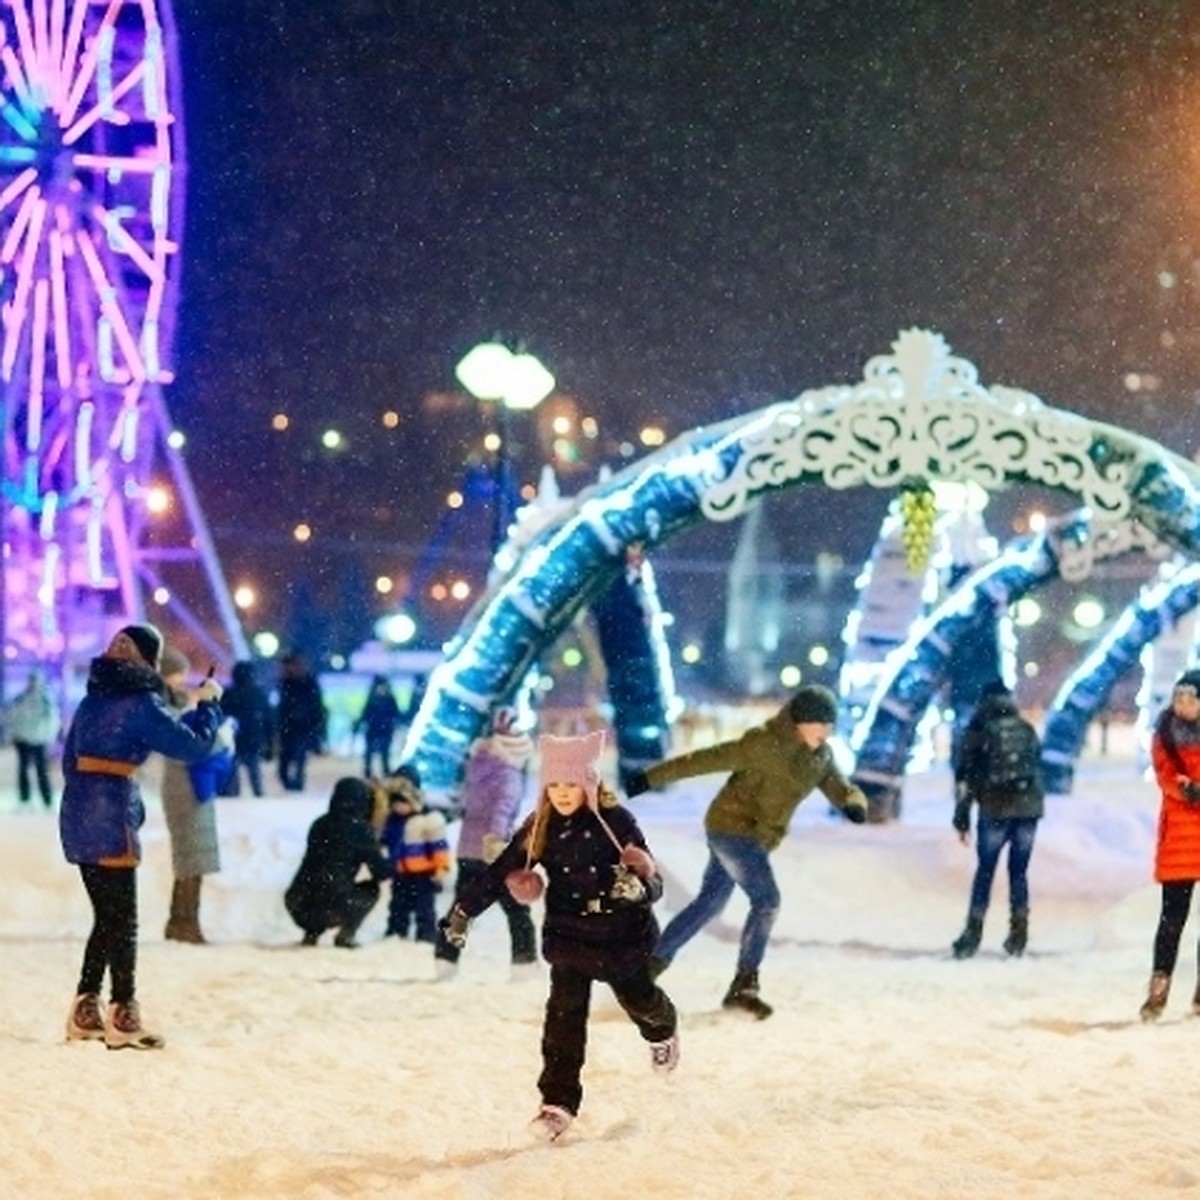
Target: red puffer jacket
<point>1177,856</point>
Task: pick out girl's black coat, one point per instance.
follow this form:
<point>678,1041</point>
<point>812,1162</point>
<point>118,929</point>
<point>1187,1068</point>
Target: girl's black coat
<point>583,927</point>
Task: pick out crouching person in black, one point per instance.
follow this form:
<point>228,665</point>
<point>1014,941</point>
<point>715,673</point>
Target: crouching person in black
<point>326,893</point>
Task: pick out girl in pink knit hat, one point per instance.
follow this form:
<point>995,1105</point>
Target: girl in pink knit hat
<point>598,923</point>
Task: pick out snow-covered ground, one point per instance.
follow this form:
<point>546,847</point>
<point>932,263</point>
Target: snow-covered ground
<point>888,1069</point>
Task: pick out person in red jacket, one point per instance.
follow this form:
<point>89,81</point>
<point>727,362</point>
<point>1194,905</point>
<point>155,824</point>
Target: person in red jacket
<point>1175,754</point>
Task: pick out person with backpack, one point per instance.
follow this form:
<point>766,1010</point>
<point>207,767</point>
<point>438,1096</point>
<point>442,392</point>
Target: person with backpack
<point>999,769</point>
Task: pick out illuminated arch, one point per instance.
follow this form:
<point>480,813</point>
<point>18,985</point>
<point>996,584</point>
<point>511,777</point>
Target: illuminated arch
<point>915,672</point>
<point>918,413</point>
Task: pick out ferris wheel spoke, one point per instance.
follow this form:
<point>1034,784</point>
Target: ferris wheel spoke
<point>70,49</point>
<point>29,54</point>
<point>20,85</point>
<point>102,38</point>
<point>17,310</point>
<point>125,243</point>
<point>58,302</point>
<point>106,293</point>
<point>104,107</point>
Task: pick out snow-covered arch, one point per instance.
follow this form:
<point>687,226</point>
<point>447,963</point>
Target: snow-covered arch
<point>1067,548</point>
<point>918,413</point>
<point>1158,606</point>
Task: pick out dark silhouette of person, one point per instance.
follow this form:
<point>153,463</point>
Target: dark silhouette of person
<point>300,718</point>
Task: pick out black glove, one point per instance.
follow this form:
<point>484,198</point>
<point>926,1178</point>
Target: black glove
<point>454,926</point>
<point>1191,791</point>
<point>962,818</point>
<point>856,814</point>
<point>636,783</point>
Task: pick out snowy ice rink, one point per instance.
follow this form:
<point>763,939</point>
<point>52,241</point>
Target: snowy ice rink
<point>888,1069</point>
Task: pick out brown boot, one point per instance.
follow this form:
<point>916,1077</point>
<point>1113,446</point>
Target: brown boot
<point>183,925</point>
<point>1156,997</point>
<point>123,1029</point>
<point>85,1021</point>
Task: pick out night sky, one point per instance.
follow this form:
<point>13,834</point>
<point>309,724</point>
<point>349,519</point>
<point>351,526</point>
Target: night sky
<point>686,210</point>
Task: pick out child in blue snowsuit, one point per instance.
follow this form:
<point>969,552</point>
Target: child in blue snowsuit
<point>419,852</point>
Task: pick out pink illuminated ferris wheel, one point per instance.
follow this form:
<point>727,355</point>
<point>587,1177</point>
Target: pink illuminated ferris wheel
<point>100,521</point>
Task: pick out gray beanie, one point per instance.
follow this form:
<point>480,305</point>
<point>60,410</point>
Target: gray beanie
<point>813,703</point>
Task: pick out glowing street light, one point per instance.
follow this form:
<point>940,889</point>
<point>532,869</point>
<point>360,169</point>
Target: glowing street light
<point>492,373</point>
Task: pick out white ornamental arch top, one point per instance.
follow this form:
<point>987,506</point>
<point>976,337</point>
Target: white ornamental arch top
<point>919,413</point>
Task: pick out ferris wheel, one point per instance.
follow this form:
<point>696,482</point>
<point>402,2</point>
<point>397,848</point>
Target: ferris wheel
<point>100,520</point>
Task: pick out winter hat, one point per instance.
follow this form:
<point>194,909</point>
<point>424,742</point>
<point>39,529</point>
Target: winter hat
<point>173,662</point>
<point>408,771</point>
<point>813,703</point>
<point>573,760</point>
<point>1189,680</point>
<point>137,643</point>
<point>994,687</point>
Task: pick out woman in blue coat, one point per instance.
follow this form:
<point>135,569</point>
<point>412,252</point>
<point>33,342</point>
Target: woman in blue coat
<point>121,721</point>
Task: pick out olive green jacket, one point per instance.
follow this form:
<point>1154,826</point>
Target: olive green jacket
<point>772,771</point>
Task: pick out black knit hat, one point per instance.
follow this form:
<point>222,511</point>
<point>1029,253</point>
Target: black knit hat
<point>994,687</point>
<point>813,703</point>
<point>144,639</point>
<point>1190,679</point>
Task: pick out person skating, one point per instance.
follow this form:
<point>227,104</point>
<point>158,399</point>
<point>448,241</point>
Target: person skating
<point>121,721</point>
<point>493,790</point>
<point>1175,756</point>
<point>998,769</point>
<point>598,925</point>
<point>773,767</point>
<point>325,892</point>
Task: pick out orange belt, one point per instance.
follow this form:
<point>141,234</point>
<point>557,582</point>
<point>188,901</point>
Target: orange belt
<point>104,766</point>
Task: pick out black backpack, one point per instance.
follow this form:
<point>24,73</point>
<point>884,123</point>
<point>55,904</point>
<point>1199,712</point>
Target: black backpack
<point>1012,754</point>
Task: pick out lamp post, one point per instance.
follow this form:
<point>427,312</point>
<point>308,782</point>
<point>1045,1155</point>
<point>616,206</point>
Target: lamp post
<point>509,381</point>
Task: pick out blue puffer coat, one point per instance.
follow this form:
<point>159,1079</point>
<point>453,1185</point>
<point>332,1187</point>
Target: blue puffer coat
<point>121,721</point>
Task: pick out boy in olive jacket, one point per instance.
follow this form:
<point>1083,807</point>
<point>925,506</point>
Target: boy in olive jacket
<point>774,766</point>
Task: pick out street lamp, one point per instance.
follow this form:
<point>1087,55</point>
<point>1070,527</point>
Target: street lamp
<point>519,382</point>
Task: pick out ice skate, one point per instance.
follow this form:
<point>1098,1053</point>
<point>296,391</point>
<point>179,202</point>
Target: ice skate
<point>1018,935</point>
<point>551,1123</point>
<point>85,1021</point>
<point>444,970</point>
<point>1156,997</point>
<point>743,995</point>
<point>524,972</point>
<point>664,1056</point>
<point>123,1029</point>
<point>968,941</point>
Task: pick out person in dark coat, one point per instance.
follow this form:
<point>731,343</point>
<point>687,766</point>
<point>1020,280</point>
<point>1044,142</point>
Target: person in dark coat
<point>998,768</point>
<point>247,703</point>
<point>301,721</point>
<point>325,893</point>
<point>121,721</point>
<point>773,767</point>
<point>377,723</point>
<point>599,924</point>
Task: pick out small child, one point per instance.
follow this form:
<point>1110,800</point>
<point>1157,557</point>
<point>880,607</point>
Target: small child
<point>494,788</point>
<point>598,923</point>
<point>419,854</point>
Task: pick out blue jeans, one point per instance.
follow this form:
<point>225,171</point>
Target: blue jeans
<point>731,860</point>
<point>991,835</point>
